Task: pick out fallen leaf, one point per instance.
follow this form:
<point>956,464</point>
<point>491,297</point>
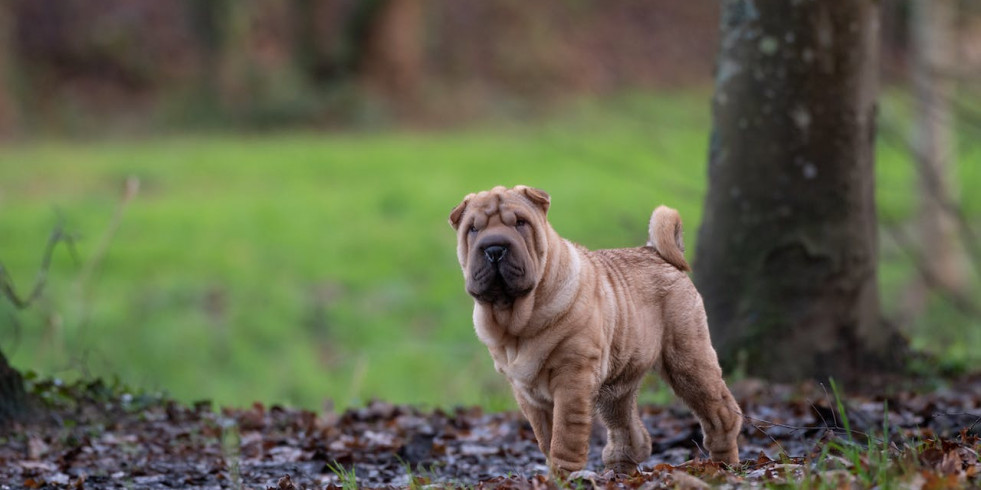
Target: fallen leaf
<point>683,480</point>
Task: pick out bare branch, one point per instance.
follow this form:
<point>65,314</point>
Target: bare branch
<point>964,304</point>
<point>7,288</point>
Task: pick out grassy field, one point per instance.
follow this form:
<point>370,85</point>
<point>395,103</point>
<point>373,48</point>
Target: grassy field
<point>300,267</point>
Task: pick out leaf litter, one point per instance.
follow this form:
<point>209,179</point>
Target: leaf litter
<point>93,436</point>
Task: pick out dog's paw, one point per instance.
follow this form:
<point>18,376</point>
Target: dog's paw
<point>622,467</point>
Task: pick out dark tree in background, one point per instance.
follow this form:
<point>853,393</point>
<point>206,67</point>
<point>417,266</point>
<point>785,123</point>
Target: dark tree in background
<point>787,252</point>
<point>14,403</point>
<point>391,64</point>
<point>12,397</point>
<point>933,24</point>
<point>8,100</point>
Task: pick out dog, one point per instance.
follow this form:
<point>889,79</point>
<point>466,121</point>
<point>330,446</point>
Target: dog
<point>575,331</point>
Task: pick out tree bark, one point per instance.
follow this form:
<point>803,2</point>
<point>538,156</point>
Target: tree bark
<point>12,397</point>
<point>9,110</point>
<point>392,61</point>
<point>933,28</point>
<point>787,252</point>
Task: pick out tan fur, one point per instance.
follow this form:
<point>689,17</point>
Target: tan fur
<point>574,331</point>
<point>665,235</point>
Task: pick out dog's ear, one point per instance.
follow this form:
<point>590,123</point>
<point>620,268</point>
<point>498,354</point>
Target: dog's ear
<point>457,212</point>
<point>537,196</point>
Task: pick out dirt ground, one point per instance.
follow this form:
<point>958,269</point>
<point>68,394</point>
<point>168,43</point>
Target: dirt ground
<point>90,436</point>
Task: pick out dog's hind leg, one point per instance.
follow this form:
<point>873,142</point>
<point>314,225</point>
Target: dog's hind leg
<point>628,442</point>
<point>689,364</point>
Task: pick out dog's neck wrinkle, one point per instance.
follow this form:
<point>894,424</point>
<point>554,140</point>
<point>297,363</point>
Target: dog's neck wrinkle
<point>562,267</point>
<point>502,311</point>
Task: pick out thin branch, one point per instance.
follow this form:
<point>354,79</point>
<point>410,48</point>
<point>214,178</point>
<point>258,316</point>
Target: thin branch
<point>750,421</point>
<point>968,236</point>
<point>800,428</point>
<point>130,191</point>
<point>7,288</point>
<point>963,304</point>
<point>18,332</point>
<point>827,398</point>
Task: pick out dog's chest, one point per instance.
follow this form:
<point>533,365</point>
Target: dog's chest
<point>521,363</point>
<point>519,359</point>
<point>518,367</point>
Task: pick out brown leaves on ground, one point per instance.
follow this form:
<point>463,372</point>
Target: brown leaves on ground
<point>91,438</point>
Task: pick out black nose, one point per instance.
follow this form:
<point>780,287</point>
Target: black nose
<point>495,253</point>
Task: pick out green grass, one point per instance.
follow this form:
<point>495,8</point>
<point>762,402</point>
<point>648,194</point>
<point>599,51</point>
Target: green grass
<point>300,267</point>
<point>348,478</point>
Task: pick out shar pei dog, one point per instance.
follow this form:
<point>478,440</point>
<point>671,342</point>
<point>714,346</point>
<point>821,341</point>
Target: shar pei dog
<point>575,331</point>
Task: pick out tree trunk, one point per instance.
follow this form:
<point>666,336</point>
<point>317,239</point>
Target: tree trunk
<point>392,61</point>
<point>787,252</point>
<point>209,19</point>
<point>325,42</point>
<point>933,27</point>
<point>12,397</point>
<point>9,111</point>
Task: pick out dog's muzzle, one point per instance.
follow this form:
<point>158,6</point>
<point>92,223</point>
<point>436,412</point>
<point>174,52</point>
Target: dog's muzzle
<point>497,271</point>
<point>495,253</point>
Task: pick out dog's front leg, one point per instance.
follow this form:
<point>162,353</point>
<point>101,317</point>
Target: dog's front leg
<point>539,418</point>
<point>572,420</point>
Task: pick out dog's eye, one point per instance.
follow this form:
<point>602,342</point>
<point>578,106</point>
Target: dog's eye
<point>473,229</point>
<point>520,222</point>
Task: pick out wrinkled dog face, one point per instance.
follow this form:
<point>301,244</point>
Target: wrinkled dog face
<point>501,237</point>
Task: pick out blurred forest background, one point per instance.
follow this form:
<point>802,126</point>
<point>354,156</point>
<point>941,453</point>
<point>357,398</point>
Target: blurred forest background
<point>257,190</point>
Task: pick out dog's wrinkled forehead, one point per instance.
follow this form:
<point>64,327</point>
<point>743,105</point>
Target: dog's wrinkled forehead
<point>512,205</point>
<point>497,201</point>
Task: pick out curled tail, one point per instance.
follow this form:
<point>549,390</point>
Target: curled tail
<point>666,237</point>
